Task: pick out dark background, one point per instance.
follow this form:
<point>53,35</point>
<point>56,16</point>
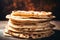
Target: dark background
<point>7,6</point>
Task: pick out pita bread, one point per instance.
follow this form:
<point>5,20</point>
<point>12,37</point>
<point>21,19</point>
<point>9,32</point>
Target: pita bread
<point>26,24</point>
<point>31,34</point>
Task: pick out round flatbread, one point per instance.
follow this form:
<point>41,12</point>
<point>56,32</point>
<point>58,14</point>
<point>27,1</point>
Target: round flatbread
<point>32,34</point>
<point>27,29</point>
<point>27,26</point>
<point>18,18</point>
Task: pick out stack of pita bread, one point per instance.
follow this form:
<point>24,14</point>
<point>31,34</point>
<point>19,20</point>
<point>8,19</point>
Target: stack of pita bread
<point>26,24</point>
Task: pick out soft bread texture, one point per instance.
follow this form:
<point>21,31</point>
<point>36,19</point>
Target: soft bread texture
<point>26,24</point>
<point>26,19</point>
<point>30,13</point>
<point>27,29</point>
<point>34,14</point>
<point>34,35</point>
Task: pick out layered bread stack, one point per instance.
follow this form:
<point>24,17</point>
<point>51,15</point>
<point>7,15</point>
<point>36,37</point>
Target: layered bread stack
<point>26,24</point>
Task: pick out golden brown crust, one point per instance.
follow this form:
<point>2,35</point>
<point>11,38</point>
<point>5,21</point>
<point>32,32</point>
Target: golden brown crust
<point>33,35</point>
<point>26,24</point>
<point>28,29</point>
<point>29,13</point>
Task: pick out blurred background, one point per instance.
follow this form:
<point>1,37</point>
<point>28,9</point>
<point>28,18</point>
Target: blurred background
<point>7,6</point>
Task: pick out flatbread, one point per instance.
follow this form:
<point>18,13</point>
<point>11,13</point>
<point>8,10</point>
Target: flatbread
<point>27,29</point>
<point>18,18</point>
<point>31,34</point>
<point>27,26</point>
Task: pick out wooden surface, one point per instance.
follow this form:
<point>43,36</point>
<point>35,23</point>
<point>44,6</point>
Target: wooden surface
<point>55,36</point>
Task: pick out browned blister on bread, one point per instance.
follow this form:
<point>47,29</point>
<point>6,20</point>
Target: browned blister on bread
<point>26,24</point>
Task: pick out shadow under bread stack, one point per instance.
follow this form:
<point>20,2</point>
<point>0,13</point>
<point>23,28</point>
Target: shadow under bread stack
<point>26,24</point>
